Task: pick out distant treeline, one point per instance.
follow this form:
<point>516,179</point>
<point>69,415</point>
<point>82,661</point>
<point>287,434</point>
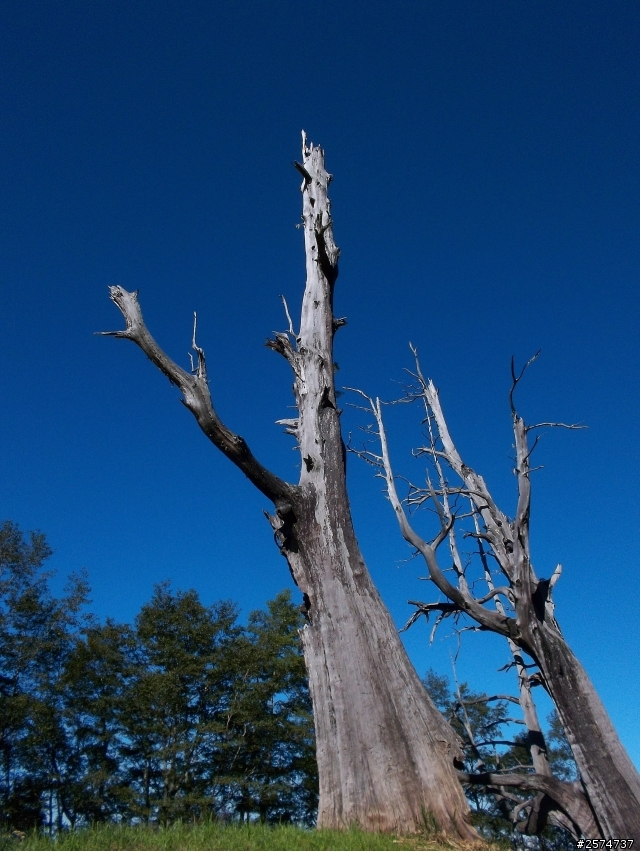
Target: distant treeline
<point>184,714</point>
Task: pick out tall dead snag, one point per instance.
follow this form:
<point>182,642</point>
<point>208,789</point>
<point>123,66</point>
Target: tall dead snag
<point>518,606</point>
<point>385,754</point>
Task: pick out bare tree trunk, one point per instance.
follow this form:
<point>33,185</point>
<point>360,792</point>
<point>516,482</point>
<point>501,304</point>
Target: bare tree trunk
<point>385,754</point>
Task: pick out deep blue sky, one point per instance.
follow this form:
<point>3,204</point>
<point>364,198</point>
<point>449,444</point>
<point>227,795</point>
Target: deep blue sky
<point>487,203</point>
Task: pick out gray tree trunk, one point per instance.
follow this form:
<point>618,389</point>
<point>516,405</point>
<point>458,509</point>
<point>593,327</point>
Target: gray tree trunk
<point>385,754</point>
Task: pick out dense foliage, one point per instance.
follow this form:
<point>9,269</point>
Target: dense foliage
<point>186,714</point>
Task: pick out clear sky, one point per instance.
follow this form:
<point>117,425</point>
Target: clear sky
<point>487,204</point>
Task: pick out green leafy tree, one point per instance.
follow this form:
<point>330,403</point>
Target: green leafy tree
<point>272,771</point>
<point>480,724</point>
<point>96,684</point>
<point>559,750</point>
<point>176,702</point>
<point>37,633</point>
<point>217,718</point>
<point>185,714</point>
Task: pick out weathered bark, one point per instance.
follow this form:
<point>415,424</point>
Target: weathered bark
<point>610,780</point>
<point>385,754</point>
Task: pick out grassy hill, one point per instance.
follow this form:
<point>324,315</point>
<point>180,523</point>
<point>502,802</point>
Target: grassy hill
<point>220,836</point>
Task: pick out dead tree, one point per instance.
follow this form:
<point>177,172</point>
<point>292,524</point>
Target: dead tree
<point>525,615</point>
<point>385,754</point>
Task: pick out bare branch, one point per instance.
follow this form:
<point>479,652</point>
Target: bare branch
<point>522,569</point>
<point>338,322</point>
<point>444,610</point>
<point>280,343</point>
<point>436,624</point>
<point>555,577</point>
<point>305,174</point>
<point>291,425</point>
<point>286,310</point>
<point>196,395</point>
<point>201,370</point>
<point>517,379</point>
<point>557,426</point>
<point>495,521</point>
<point>488,619</point>
<point>487,698</point>
<point>569,799</point>
<point>501,590</point>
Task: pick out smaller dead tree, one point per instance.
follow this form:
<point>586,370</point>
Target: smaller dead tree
<point>516,604</point>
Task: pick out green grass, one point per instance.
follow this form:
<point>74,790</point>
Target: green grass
<point>219,836</point>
